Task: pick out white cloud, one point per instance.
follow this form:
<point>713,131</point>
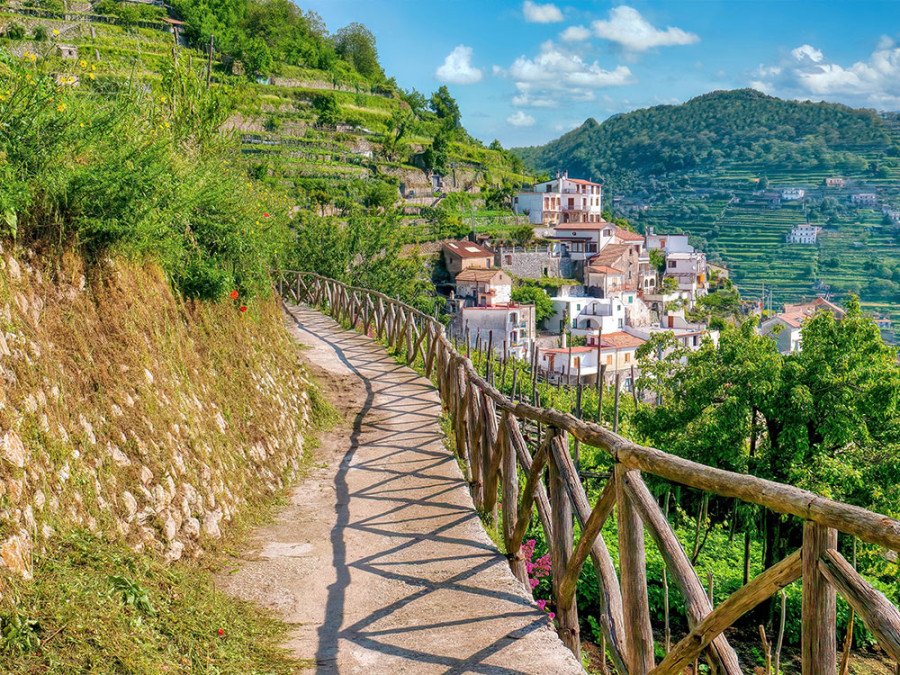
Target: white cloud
<point>520,119</point>
<point>630,29</point>
<point>556,75</point>
<point>535,13</point>
<point>804,52</point>
<point>575,34</point>
<point>457,67</point>
<point>808,73</point>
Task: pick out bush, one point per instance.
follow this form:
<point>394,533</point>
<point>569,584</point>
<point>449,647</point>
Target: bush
<point>138,177</point>
<point>40,33</point>
<point>15,31</point>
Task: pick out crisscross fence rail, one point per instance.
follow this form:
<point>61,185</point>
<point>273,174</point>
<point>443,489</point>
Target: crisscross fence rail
<point>494,439</point>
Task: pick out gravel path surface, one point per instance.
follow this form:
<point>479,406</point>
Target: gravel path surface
<point>380,560</point>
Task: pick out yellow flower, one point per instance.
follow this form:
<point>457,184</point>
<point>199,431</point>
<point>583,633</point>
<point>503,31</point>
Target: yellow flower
<point>93,67</point>
<point>81,125</point>
<point>92,76</point>
<point>55,32</point>
<point>83,63</point>
<point>61,107</point>
<point>167,125</point>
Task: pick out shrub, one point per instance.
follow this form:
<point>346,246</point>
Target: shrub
<point>142,178</point>
<point>40,33</point>
<point>15,31</point>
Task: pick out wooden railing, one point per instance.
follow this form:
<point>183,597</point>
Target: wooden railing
<point>493,434</point>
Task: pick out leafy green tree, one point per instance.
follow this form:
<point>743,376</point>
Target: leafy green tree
<point>532,295</point>
<point>356,45</point>
<point>445,107</point>
<point>327,109</point>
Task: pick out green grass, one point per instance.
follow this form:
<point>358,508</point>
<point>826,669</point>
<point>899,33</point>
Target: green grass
<point>99,607</point>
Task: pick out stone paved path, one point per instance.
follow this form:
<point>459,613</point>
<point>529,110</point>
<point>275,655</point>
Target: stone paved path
<point>380,560</point>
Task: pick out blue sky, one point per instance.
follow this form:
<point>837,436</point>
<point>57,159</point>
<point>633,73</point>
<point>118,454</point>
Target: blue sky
<point>526,72</point>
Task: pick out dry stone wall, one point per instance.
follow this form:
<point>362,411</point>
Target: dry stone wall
<point>137,415</point>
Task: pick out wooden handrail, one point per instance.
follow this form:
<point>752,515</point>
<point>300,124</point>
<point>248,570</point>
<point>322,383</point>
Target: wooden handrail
<point>486,426</point>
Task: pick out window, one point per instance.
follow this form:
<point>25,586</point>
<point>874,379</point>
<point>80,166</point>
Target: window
<point>630,299</point>
<point>576,363</point>
<point>620,323</point>
<point>609,360</point>
<point>627,357</point>
<point>571,202</point>
<point>671,264</point>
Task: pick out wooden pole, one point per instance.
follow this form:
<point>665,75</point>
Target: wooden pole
<point>212,42</point>
<point>818,648</point>
<point>616,406</point>
<point>633,571</point>
<point>561,552</point>
<point>511,499</point>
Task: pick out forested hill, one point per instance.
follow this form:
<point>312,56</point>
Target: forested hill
<point>713,132</point>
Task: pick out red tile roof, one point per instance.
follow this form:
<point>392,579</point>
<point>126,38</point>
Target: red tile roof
<point>466,249</point>
<point>479,274</point>
<point>622,340</point>
<point>628,235</point>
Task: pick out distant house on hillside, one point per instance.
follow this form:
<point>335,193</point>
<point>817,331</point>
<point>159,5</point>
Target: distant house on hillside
<point>484,287</point>
<point>510,325</point>
<point>864,199</point>
<point>616,353</point>
<point>803,234</point>
<point>461,255</point>
<point>835,182</point>
<point>792,194</point>
<point>787,328</point>
<point>561,200</point>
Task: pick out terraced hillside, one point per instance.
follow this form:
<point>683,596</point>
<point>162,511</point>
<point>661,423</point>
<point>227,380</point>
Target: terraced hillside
<point>331,140</point>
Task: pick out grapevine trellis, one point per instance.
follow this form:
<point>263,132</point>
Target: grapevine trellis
<point>501,441</point>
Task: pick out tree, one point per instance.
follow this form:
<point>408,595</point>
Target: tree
<point>327,109</point>
<point>826,419</point>
<point>532,295</point>
<point>356,45</point>
<point>445,107</point>
<point>257,57</point>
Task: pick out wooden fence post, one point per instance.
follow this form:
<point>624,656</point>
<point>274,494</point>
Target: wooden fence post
<point>818,641</point>
<point>633,575</point>
<point>511,498</point>
<point>561,545</point>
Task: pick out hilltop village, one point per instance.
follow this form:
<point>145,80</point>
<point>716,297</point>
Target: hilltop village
<point>609,287</point>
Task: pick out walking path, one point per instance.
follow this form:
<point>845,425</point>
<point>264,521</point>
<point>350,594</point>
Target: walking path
<point>380,560</point>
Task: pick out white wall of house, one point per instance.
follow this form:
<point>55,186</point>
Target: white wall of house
<point>606,315</point>
<point>502,292</point>
<point>513,325</point>
<point>785,335</point>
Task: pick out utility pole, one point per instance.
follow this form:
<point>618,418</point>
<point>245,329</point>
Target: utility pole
<point>212,42</point>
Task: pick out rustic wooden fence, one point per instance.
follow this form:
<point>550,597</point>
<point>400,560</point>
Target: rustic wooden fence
<point>495,436</point>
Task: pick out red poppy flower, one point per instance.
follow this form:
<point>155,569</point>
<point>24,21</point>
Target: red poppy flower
<point>233,295</point>
<point>221,631</point>
<point>265,215</point>
<point>243,308</point>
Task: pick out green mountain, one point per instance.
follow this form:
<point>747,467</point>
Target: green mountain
<point>717,132</point>
<point>715,167</point>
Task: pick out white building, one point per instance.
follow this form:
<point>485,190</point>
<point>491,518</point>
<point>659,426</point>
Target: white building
<point>604,317</point>
<point>484,287</point>
<point>803,234</point>
<point>865,199</point>
<point>683,263</point>
<point>792,194</point>
<point>561,200</point>
<point>564,306</point>
<point>616,353</point>
<point>511,325</point>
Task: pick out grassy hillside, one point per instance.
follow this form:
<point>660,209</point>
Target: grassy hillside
<point>701,168</point>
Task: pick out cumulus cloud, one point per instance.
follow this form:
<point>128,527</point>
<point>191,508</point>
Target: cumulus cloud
<point>629,28</point>
<point>556,75</point>
<point>535,13</point>
<point>575,34</point>
<point>807,53</point>
<point>520,119</point>
<point>808,73</point>
<point>457,68</point>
